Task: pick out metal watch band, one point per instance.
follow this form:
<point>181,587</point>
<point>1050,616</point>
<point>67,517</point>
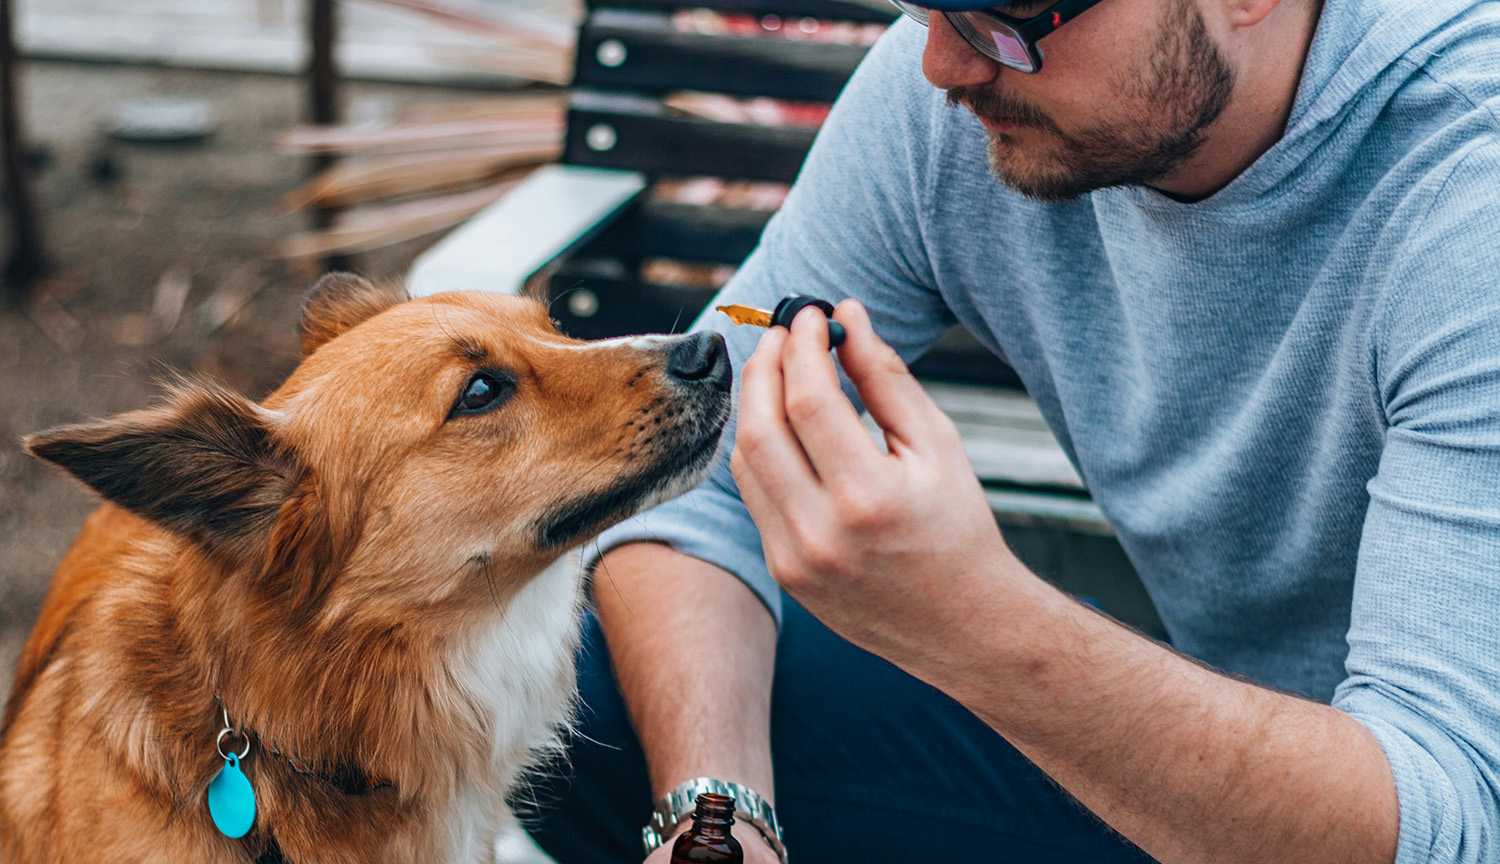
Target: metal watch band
<point>678,804</point>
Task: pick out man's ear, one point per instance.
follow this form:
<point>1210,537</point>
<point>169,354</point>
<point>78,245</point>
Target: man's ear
<point>340,301</point>
<point>1248,13</point>
<point>205,464</point>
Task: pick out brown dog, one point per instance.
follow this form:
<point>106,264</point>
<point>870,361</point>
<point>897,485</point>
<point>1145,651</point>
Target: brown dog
<point>353,576</point>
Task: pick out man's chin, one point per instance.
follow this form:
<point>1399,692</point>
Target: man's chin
<point>1014,163</point>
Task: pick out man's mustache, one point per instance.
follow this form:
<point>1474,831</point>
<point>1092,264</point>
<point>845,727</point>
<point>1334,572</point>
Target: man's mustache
<point>1000,108</point>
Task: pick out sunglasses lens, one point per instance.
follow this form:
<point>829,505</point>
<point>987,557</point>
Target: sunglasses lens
<point>993,39</point>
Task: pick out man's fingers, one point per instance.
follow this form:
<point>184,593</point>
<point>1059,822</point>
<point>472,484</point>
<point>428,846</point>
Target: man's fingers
<point>820,415</point>
<point>896,402</point>
<point>764,438</point>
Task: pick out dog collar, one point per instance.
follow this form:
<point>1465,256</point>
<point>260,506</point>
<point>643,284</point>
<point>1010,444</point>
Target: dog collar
<point>348,779</point>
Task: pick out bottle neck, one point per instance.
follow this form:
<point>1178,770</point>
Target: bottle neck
<point>713,816</point>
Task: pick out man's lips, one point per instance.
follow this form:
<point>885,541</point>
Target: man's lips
<point>997,124</point>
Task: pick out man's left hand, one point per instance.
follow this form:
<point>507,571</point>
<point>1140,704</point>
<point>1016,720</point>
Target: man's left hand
<point>886,548</point>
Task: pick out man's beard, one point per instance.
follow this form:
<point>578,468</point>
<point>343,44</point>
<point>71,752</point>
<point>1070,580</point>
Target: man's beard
<point>1183,89</point>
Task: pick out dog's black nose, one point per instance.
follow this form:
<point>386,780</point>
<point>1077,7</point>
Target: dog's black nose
<point>700,357</point>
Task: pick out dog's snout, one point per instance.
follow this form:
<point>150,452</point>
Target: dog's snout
<point>700,357</point>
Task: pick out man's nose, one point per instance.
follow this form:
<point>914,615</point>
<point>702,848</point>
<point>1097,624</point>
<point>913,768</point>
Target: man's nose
<point>948,61</point>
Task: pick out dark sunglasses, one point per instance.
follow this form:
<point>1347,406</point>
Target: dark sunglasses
<point>1006,39</point>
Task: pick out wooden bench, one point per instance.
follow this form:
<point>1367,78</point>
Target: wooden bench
<point>592,236</point>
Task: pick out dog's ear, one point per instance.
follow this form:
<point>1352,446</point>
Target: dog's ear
<point>303,555</point>
<point>205,464</point>
<point>340,301</point>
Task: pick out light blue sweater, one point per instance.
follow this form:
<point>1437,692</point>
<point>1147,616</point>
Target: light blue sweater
<point>1286,398</point>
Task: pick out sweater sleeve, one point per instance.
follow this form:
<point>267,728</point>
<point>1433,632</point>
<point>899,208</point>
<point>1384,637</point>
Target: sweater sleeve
<point>851,227</point>
<point>1424,660</point>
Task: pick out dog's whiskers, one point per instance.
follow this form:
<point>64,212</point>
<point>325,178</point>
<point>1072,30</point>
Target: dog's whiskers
<point>437,318</point>
<point>486,564</point>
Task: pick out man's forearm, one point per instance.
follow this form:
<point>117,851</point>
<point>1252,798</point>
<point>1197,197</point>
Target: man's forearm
<point>1188,763</point>
<point>693,651</point>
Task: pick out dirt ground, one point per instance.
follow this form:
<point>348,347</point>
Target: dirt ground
<point>125,225</point>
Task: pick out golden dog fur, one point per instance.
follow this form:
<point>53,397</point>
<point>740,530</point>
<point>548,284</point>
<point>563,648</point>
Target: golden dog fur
<point>349,570</point>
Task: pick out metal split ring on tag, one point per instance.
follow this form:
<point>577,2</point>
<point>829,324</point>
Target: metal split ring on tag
<point>219,743</point>
<point>231,800</point>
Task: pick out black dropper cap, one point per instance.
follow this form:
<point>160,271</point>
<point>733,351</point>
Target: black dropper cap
<point>791,304</point>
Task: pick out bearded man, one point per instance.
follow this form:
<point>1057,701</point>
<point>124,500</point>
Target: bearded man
<point>1245,255</point>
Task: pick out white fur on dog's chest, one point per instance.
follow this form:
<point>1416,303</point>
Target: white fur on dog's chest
<point>518,672</point>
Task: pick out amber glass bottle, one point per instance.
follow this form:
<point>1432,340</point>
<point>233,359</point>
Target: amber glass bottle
<point>709,840</point>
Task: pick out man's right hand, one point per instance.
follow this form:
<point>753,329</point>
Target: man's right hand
<point>694,651</point>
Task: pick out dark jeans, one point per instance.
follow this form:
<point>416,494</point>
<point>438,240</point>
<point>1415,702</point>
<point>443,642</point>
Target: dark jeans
<point>871,766</point>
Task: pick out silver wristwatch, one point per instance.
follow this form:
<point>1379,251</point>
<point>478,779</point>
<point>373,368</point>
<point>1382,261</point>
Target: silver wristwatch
<point>679,803</point>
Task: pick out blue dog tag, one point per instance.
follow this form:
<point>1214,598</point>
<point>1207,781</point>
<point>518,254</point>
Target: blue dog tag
<point>231,801</point>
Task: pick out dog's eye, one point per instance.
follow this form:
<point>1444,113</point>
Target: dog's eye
<point>484,390</point>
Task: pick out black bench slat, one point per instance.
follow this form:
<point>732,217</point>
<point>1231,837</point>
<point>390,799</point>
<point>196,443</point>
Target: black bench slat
<point>684,232</point>
<point>658,59</point>
<point>831,10</point>
<point>641,135</point>
<point>621,305</point>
